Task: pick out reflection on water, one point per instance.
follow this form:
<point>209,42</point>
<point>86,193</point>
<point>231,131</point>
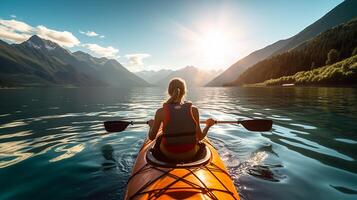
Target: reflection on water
<point>56,136</point>
<point>108,153</point>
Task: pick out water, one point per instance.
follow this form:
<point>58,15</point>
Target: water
<point>53,145</point>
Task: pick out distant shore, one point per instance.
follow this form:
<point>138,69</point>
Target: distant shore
<point>262,85</point>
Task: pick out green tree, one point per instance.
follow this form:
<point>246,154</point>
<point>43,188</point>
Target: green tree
<point>354,52</point>
<point>332,57</point>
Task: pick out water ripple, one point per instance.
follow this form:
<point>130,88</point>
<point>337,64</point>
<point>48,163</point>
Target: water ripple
<point>59,136</point>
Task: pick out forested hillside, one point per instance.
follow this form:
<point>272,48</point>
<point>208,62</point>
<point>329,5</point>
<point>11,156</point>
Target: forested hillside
<point>341,73</point>
<point>329,47</point>
<point>342,13</point>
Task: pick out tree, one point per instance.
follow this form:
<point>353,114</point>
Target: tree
<point>332,57</point>
<point>354,52</point>
<point>312,66</point>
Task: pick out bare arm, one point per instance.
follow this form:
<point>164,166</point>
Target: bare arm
<point>155,124</point>
<point>209,122</point>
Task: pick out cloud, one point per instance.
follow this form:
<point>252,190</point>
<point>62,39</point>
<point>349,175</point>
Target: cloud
<point>16,26</point>
<point>63,38</point>
<point>91,34</point>
<point>17,31</point>
<point>137,59</point>
<point>109,52</point>
<point>13,16</point>
<point>13,36</point>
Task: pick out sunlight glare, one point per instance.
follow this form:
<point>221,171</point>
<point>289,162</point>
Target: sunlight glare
<point>213,43</point>
<point>214,46</point>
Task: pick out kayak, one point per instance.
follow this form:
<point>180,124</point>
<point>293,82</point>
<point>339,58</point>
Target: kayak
<point>206,177</point>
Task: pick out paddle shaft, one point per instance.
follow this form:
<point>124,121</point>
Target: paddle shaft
<point>201,122</point>
<point>250,124</point>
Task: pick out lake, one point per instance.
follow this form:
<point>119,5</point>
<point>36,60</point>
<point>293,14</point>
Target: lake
<point>53,144</point>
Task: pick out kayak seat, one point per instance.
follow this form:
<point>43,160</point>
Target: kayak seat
<point>156,158</point>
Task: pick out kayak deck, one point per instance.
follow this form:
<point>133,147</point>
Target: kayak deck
<point>208,181</point>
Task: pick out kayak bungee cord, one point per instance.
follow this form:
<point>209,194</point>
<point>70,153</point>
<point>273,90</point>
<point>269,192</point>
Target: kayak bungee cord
<point>204,177</point>
<point>155,193</point>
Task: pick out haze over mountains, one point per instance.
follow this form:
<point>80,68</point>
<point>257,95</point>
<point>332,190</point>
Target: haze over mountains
<point>344,12</point>
<point>39,62</point>
<point>192,75</point>
<point>152,76</point>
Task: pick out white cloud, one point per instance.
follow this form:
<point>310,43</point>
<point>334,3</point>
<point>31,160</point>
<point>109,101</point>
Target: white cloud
<point>109,52</point>
<point>13,36</point>
<point>17,31</point>
<point>91,34</point>
<point>137,59</point>
<point>13,16</point>
<point>16,26</point>
<point>63,38</point>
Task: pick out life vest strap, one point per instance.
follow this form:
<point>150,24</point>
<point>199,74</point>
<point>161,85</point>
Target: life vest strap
<point>177,135</point>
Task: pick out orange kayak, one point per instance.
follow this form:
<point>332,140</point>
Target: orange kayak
<point>204,178</point>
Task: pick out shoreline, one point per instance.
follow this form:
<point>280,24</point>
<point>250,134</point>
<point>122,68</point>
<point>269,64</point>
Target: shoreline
<point>230,86</point>
<point>296,86</point>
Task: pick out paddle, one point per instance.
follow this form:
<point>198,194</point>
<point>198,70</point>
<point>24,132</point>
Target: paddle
<point>250,124</point>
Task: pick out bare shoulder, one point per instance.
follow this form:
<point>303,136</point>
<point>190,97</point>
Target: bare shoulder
<point>195,111</point>
<point>159,113</point>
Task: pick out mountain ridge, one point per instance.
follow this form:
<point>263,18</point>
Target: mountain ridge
<point>309,55</point>
<point>343,12</point>
<point>194,76</point>
<point>152,76</point>
<point>40,62</point>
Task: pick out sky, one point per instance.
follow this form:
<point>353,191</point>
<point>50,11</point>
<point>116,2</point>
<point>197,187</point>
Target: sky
<point>167,34</point>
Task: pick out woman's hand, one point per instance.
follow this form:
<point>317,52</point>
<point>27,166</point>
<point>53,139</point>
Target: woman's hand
<point>210,122</point>
<point>151,123</point>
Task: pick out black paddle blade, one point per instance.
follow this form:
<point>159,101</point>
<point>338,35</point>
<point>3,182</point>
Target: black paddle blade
<point>257,124</point>
<point>115,126</point>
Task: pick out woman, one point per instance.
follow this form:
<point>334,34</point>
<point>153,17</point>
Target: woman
<point>181,129</point>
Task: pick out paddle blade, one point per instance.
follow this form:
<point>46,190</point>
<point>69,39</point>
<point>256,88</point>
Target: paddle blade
<point>257,124</point>
<point>115,126</point>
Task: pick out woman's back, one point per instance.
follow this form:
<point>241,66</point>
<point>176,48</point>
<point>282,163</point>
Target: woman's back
<point>179,127</point>
<point>180,120</point>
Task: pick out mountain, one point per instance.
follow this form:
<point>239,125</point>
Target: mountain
<point>192,75</point>
<point>344,12</point>
<point>26,65</point>
<point>152,76</point>
<point>108,70</point>
<point>328,47</point>
<point>239,67</point>
<point>39,62</point>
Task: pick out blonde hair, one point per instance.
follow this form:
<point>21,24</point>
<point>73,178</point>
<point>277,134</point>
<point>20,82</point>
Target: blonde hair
<point>176,90</point>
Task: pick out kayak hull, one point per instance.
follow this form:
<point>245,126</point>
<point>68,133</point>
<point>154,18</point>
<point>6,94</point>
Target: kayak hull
<point>208,181</point>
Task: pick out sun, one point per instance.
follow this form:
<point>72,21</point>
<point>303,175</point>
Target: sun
<point>211,44</point>
<point>213,47</point>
